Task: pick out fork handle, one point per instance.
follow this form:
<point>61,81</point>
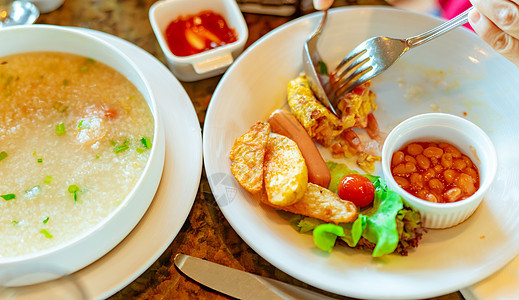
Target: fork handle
<point>437,31</point>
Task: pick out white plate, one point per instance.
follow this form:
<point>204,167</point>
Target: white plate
<point>456,73</point>
<point>168,210</point>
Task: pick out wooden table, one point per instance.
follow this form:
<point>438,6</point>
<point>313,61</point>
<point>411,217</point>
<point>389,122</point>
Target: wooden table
<point>206,233</point>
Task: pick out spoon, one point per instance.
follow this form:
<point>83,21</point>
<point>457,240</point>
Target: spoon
<point>17,13</point>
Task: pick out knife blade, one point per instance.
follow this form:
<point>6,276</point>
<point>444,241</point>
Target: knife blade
<point>240,284</point>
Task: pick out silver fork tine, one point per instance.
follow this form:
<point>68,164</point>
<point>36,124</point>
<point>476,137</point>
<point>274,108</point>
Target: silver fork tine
<point>352,81</point>
<point>361,60</point>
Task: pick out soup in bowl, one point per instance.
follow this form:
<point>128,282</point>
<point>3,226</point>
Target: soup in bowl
<point>81,151</point>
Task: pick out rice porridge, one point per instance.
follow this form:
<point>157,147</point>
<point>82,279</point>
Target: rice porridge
<point>75,136</point>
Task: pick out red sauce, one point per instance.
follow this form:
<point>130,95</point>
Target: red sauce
<point>194,34</point>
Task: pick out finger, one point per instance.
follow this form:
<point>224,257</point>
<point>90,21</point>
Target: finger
<point>503,13</point>
<point>502,42</point>
<point>322,4</point>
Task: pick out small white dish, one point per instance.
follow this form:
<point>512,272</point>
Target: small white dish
<point>208,63</point>
<point>46,6</point>
<point>459,132</point>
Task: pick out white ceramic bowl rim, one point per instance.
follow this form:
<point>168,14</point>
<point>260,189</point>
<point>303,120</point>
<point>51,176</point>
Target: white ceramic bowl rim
<point>147,169</point>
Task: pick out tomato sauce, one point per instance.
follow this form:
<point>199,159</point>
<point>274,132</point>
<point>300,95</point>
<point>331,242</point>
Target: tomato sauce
<point>194,34</point>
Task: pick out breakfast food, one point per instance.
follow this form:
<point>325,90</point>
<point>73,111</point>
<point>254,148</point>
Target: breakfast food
<point>284,123</point>
<point>75,135</point>
<point>286,175</point>
<point>333,201</point>
<point>436,172</point>
<point>336,134</point>
<point>247,156</point>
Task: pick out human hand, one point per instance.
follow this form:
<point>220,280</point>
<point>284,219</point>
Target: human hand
<point>497,23</point>
<point>322,4</point>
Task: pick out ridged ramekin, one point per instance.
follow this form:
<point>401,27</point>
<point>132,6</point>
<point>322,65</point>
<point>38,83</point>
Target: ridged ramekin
<point>459,132</point>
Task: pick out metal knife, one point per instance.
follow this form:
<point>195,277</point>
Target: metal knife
<point>240,284</point>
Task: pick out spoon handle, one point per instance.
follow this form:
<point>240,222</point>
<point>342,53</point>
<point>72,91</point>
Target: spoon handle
<point>440,30</point>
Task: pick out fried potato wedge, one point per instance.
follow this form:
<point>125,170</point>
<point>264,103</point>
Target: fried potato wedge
<point>319,203</point>
<point>247,157</point>
<point>285,171</point>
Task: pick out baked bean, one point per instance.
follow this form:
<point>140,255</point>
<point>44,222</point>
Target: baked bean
<point>436,172</point>
<point>423,162</point>
<point>465,183</point>
<point>447,160</point>
<point>422,194</point>
<point>452,150</point>
<point>436,185</point>
<point>399,170</point>
<point>414,149</point>
<point>398,158</point>
<point>430,173</point>
<point>410,167</point>
<point>467,160</point>
<point>403,182</point>
<point>449,176</point>
<point>416,180</point>
<point>431,198</point>
<point>409,158</point>
<point>459,164</point>
<point>472,173</point>
<point>453,194</point>
<point>432,151</point>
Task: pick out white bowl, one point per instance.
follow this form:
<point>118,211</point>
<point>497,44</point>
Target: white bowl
<point>464,135</point>
<point>208,63</point>
<point>87,247</point>
<point>46,6</point>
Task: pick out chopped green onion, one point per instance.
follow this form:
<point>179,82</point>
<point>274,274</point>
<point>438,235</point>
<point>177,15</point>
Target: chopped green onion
<point>97,156</point>
<point>322,68</point>
<point>34,153</point>
<point>3,155</point>
<point>139,150</point>
<point>47,179</point>
<point>46,220</point>
<point>60,129</point>
<point>146,142</point>
<point>90,60</point>
<point>8,197</point>
<point>65,82</point>
<point>83,69</point>
<point>40,160</point>
<point>120,148</point>
<point>46,233</point>
<point>113,143</point>
<point>73,189</point>
<point>15,222</point>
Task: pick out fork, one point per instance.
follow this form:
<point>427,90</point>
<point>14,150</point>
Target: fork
<point>312,59</point>
<point>375,55</point>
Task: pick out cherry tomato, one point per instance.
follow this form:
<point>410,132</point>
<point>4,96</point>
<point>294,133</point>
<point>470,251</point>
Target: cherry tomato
<point>357,189</point>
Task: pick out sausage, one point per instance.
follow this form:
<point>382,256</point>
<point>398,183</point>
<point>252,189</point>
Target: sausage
<point>284,123</point>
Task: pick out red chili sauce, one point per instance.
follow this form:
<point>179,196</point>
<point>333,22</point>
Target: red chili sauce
<point>193,34</point>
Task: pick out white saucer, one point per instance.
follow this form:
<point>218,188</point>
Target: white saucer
<point>168,210</point>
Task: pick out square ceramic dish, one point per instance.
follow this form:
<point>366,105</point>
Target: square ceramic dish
<point>208,63</point>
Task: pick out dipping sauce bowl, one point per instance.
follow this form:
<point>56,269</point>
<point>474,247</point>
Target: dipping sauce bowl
<point>208,63</point>
<point>462,134</point>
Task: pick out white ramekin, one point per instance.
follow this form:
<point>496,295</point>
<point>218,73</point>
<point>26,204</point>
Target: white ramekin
<point>459,132</point>
<point>208,63</point>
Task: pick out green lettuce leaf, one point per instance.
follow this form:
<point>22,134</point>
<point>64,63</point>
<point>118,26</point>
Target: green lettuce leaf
<point>338,171</point>
<point>325,236</point>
